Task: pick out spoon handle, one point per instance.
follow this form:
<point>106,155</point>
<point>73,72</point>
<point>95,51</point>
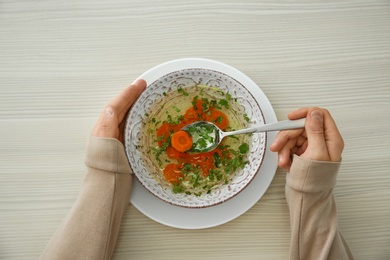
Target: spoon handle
<point>281,125</point>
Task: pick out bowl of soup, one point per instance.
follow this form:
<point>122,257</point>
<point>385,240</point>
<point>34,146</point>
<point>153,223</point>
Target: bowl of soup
<point>179,93</point>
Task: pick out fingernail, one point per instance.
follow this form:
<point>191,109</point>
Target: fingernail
<point>280,158</point>
<point>316,115</point>
<point>135,82</point>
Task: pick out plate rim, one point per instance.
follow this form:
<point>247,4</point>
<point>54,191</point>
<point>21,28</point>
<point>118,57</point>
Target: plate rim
<point>154,208</point>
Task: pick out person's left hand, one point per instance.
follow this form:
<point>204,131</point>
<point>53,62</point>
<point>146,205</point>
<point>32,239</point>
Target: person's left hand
<point>111,123</point>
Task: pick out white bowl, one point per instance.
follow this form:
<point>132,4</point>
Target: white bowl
<point>162,80</point>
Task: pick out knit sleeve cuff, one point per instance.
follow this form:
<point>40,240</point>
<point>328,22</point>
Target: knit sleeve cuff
<point>312,176</point>
<point>107,154</point>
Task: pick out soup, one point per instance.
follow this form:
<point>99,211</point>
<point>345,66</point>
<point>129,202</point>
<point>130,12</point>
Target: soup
<point>191,172</point>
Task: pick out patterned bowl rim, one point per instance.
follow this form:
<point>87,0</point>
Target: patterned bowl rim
<point>252,171</point>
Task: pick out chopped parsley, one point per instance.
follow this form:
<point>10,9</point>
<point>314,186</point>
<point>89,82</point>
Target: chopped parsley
<point>244,148</point>
<point>224,103</point>
<point>180,90</point>
<point>203,171</point>
<point>247,118</point>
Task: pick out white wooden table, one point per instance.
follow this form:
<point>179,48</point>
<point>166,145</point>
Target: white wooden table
<point>61,61</point>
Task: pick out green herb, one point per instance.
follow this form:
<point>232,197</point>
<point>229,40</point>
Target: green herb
<point>244,148</point>
<point>177,119</point>
<point>204,136</point>
<point>158,152</point>
<point>174,121</point>
<point>176,109</point>
<point>223,147</point>
<point>217,160</point>
<point>219,120</point>
<point>195,180</point>
<point>201,143</point>
<point>170,120</point>
<point>247,118</point>
<point>205,104</point>
<point>214,103</point>
<point>235,163</point>
<point>165,145</point>
<point>194,103</point>
<point>211,175</point>
<point>162,147</point>
<point>177,188</point>
<point>233,136</point>
<point>224,103</point>
<point>192,129</point>
<point>228,97</point>
<point>234,152</point>
<point>221,92</point>
<point>218,174</point>
<point>187,168</point>
<point>180,90</point>
<point>162,137</point>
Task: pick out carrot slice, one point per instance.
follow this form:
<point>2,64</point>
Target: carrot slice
<point>219,118</point>
<point>163,133</point>
<point>205,162</point>
<point>198,106</point>
<point>181,141</point>
<point>172,173</point>
<point>174,154</point>
<point>191,113</point>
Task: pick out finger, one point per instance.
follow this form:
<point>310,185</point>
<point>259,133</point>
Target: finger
<point>333,137</point>
<point>122,126</point>
<point>113,113</point>
<point>108,124</point>
<point>301,149</point>
<point>284,154</point>
<point>297,114</point>
<point>283,137</point>
<point>317,149</point>
<point>122,103</point>
<point>301,140</point>
<point>95,130</point>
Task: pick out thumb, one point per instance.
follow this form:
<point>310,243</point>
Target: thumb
<point>109,123</point>
<point>317,149</point>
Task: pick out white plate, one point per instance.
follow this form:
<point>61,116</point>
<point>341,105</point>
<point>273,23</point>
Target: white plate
<point>198,218</point>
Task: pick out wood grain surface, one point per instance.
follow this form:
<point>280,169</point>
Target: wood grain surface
<point>61,61</point>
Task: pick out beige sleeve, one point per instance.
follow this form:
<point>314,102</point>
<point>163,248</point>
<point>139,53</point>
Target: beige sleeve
<point>90,229</point>
<point>313,215</point>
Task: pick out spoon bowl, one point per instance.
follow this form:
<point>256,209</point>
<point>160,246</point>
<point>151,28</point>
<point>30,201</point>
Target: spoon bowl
<point>206,136</point>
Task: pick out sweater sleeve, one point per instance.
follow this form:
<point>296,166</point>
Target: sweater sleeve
<point>313,216</point>
<point>90,229</point>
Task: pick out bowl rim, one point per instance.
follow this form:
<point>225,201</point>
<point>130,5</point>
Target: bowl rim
<point>214,202</point>
<point>139,196</point>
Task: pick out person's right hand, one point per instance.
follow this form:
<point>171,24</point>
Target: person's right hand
<point>319,140</point>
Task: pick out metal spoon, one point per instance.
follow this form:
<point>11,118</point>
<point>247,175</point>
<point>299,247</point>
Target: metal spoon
<point>206,136</point>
